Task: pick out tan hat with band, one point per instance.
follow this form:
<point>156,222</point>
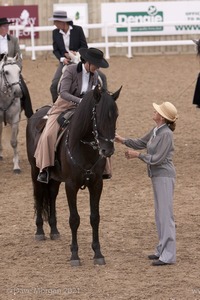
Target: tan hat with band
<point>167,110</point>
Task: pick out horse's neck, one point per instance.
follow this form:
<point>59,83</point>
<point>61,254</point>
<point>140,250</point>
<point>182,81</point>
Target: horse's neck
<point>79,131</point>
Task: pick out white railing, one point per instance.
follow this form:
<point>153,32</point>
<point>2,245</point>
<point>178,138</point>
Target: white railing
<point>106,44</point>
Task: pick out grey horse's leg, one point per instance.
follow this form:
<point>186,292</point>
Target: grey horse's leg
<point>13,142</point>
<point>1,148</point>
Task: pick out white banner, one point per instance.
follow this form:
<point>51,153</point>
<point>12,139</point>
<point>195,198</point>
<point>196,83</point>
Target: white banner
<point>152,13</point>
<point>78,12</point>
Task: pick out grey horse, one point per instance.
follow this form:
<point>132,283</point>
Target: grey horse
<point>10,106</point>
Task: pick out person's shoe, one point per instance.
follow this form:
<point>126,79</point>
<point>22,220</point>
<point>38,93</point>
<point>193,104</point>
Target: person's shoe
<point>107,176</point>
<point>43,176</point>
<point>153,256</point>
<point>159,263</point>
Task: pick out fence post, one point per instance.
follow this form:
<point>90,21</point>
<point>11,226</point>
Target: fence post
<point>129,55</point>
<point>33,42</point>
<point>107,54</point>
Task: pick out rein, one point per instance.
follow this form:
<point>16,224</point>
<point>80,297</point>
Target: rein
<point>6,82</point>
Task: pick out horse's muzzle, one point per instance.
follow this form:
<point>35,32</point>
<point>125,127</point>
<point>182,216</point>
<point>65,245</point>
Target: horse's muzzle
<point>106,152</point>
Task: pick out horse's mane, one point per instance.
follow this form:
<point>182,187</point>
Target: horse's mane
<point>81,118</point>
<point>103,99</point>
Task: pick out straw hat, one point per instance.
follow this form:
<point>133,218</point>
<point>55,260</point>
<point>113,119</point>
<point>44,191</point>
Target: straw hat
<point>60,15</point>
<point>94,56</point>
<point>167,110</point>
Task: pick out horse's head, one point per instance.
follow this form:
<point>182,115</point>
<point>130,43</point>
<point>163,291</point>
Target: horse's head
<point>10,76</point>
<point>105,115</point>
<point>94,122</point>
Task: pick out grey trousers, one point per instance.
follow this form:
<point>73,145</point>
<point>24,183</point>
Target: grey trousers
<point>163,188</point>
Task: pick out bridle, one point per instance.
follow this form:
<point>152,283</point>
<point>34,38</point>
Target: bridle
<point>95,146</point>
<point>6,88</point>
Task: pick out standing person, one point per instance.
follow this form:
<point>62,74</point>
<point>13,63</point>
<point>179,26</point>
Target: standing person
<point>9,45</point>
<point>196,96</point>
<point>77,80</point>
<point>66,37</point>
<point>160,149</point>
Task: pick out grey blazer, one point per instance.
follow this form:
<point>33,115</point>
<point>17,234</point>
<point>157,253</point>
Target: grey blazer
<point>160,150</point>
<point>71,83</point>
<point>13,48</point>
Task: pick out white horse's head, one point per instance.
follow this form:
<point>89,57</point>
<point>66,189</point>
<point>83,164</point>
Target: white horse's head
<point>10,77</point>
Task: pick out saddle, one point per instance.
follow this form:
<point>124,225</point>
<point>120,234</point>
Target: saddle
<point>65,117</point>
<point>63,120</point>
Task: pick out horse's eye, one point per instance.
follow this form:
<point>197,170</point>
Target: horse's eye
<point>6,72</point>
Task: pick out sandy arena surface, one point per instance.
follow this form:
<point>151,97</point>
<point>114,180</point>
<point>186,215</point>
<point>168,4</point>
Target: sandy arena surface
<point>41,270</point>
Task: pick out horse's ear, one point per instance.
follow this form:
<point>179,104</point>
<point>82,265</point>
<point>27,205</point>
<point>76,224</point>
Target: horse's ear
<point>116,94</point>
<point>16,57</point>
<point>97,93</point>
<point>5,57</point>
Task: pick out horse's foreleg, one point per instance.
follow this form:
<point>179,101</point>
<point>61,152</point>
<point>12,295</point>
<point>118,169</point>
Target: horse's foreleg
<point>74,222</point>
<point>13,142</point>
<point>54,188</point>
<point>1,149</point>
<point>94,221</point>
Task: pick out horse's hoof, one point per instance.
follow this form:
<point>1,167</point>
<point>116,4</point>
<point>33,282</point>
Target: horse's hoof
<point>99,261</point>
<point>40,237</point>
<point>54,236</point>
<point>75,263</point>
<point>16,171</point>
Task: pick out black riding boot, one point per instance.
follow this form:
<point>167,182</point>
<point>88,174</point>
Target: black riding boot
<point>26,99</point>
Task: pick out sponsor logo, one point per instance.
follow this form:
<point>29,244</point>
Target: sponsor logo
<point>152,15</point>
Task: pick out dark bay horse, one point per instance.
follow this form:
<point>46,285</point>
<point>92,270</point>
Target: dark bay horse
<point>80,162</point>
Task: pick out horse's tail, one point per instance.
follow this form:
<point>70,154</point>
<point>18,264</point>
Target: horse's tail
<point>44,197</point>
<point>42,203</point>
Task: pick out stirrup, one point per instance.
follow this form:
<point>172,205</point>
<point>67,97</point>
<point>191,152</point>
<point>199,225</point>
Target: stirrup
<point>43,176</point>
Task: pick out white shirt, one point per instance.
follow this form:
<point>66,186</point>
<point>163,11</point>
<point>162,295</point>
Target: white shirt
<point>66,39</point>
<point>3,44</point>
<point>156,128</point>
<point>85,80</point>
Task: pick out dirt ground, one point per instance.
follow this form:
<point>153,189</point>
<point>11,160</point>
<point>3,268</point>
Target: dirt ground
<point>41,270</point>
